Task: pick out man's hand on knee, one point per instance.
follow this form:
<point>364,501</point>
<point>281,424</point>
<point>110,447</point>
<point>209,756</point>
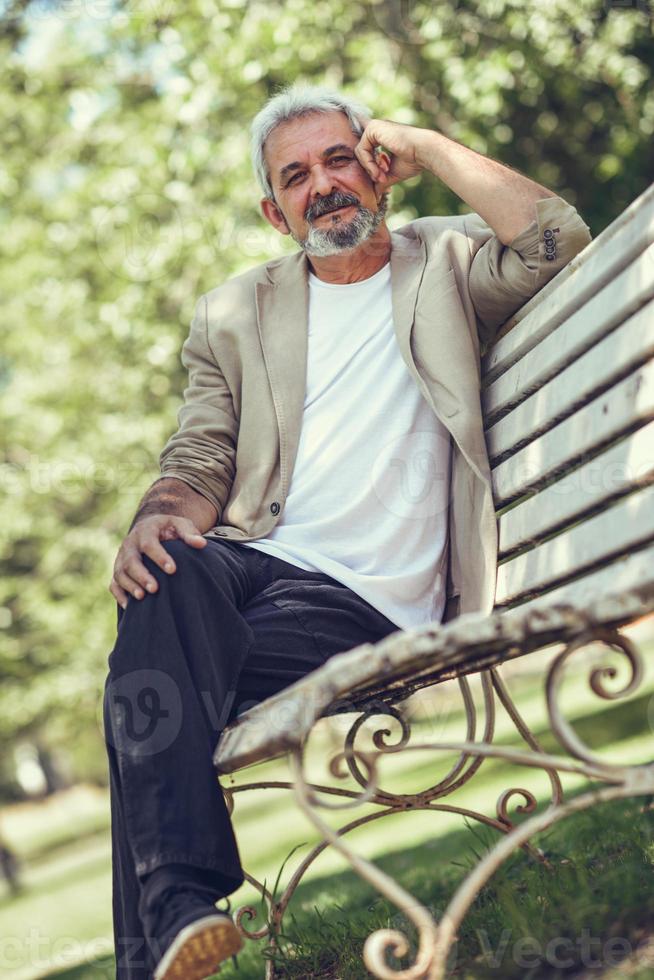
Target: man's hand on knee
<point>130,576</point>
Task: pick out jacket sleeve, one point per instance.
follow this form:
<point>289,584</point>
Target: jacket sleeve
<point>503,277</point>
<point>202,452</point>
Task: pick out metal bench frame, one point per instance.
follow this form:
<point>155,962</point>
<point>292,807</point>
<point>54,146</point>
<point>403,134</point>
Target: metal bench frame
<point>595,320</point>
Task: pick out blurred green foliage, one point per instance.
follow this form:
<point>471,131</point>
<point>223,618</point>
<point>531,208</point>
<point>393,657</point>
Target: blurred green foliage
<point>126,192</point>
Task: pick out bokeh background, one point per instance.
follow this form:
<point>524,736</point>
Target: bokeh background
<point>126,192</point>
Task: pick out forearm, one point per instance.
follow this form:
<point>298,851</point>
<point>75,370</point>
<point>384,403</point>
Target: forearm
<point>502,197</point>
<point>172,496</point>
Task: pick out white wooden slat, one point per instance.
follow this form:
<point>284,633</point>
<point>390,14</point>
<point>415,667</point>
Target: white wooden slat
<point>627,405</point>
<point>575,285</point>
<point>627,464</point>
<point>628,572</point>
<point>619,300</point>
<point>604,364</point>
<point>623,527</point>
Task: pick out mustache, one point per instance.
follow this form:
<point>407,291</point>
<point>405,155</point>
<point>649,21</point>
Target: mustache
<point>325,204</point>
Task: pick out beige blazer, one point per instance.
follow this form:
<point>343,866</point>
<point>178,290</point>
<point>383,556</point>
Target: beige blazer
<point>453,285</point>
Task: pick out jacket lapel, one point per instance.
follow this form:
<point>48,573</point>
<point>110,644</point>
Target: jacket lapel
<point>408,262</point>
<point>408,258</point>
<point>282,318</point>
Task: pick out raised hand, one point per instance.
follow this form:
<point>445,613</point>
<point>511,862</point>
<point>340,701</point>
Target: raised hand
<point>387,151</point>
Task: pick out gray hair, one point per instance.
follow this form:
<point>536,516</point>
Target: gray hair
<point>293,102</point>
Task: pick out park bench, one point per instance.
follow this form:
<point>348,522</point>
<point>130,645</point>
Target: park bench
<point>568,401</point>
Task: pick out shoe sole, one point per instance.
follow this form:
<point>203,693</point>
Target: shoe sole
<point>199,948</point>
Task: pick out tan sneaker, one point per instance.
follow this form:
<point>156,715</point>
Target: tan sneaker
<point>198,949</point>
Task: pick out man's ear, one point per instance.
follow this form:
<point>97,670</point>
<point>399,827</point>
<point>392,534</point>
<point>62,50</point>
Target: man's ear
<point>274,216</point>
<point>383,161</point>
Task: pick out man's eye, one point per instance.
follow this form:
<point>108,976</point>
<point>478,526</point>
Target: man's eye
<point>298,176</point>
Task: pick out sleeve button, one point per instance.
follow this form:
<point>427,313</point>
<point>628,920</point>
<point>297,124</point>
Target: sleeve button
<point>548,233</point>
<point>550,257</point>
<point>274,507</point>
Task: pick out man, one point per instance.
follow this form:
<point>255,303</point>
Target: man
<point>328,483</point>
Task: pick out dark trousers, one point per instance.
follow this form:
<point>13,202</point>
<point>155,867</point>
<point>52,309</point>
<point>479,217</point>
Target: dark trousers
<point>229,628</point>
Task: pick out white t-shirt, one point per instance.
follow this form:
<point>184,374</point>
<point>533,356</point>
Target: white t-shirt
<point>368,499</point>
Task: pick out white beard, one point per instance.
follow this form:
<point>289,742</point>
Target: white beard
<point>343,235</point>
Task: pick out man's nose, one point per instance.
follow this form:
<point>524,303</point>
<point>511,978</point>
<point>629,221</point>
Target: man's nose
<point>322,182</point>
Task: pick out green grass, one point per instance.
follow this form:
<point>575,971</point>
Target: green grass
<point>604,884</point>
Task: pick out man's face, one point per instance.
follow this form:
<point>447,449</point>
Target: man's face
<point>323,196</point>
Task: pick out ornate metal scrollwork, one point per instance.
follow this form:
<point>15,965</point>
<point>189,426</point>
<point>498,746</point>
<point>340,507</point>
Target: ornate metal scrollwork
<point>251,913</point>
<point>435,939</point>
<point>503,804</point>
<point>563,731</point>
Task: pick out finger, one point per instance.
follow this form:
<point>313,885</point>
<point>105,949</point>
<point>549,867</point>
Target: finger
<point>137,570</point>
<point>133,577</point>
<point>196,541</point>
<point>119,594</point>
<point>129,586</point>
<point>367,161</point>
<point>153,549</point>
<point>365,152</point>
<point>194,538</point>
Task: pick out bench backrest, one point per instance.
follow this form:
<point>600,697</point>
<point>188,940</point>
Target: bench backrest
<point>568,401</point>
<point>568,398</point>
